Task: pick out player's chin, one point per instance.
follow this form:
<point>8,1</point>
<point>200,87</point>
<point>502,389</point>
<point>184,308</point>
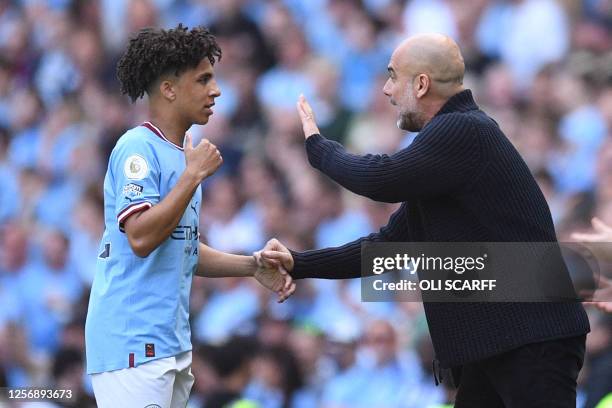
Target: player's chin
<point>202,119</point>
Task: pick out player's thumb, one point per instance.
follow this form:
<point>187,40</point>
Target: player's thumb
<point>188,142</point>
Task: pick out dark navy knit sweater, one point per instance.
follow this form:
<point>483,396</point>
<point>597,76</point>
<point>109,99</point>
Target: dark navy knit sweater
<point>461,180</point>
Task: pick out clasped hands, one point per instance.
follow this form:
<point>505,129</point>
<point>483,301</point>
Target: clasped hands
<point>274,262</point>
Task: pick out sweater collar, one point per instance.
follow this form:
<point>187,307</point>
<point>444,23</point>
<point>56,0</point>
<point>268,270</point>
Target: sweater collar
<point>460,102</point>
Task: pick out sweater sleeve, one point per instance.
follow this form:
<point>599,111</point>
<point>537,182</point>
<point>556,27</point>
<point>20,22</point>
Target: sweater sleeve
<point>442,159</point>
<point>344,262</point>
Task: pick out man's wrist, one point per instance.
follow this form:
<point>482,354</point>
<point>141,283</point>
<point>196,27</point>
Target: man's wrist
<point>312,132</point>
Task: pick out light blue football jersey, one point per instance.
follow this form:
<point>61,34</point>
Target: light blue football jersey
<point>139,307</point>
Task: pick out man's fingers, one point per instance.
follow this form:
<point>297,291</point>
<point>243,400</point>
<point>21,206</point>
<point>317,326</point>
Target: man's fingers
<point>603,306</point>
<point>605,283</point>
<point>603,232</point>
<point>601,226</point>
<point>291,289</point>
<point>304,109</point>
<point>288,280</point>
<point>282,292</point>
<point>282,257</point>
<point>300,110</point>
<point>271,263</point>
<point>307,108</point>
<point>275,245</point>
<point>587,237</point>
<point>285,294</point>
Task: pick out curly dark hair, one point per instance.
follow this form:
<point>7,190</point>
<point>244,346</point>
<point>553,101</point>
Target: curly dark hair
<point>154,52</point>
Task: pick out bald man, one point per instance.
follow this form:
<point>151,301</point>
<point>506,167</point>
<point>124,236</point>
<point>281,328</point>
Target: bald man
<point>461,180</point>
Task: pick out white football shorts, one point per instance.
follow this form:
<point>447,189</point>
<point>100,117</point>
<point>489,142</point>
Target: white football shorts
<point>162,383</point>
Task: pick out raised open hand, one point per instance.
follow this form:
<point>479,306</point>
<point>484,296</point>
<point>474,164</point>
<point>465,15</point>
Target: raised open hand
<point>309,124</point>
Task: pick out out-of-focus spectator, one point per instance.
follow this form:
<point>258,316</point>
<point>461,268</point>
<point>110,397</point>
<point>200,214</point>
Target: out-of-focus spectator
<point>228,311</point>
<point>232,227</point>
<point>379,366</point>
<point>49,290</point>
<point>68,372</point>
<point>525,34</point>
<point>276,378</point>
<point>232,361</point>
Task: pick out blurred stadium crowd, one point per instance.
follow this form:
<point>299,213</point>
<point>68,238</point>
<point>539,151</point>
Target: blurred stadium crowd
<point>541,68</point>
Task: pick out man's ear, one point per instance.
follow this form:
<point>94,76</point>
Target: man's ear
<point>167,89</point>
<point>422,85</point>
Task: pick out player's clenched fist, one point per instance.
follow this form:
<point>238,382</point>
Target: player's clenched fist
<point>202,160</point>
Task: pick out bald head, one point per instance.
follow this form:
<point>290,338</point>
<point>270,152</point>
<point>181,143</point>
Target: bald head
<point>424,72</point>
<point>435,55</point>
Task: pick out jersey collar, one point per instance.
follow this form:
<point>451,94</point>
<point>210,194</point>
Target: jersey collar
<point>159,133</point>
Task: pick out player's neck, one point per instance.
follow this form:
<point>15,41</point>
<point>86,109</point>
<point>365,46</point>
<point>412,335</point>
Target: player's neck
<point>172,129</point>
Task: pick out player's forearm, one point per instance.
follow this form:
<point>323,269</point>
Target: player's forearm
<point>148,229</point>
<point>217,264</point>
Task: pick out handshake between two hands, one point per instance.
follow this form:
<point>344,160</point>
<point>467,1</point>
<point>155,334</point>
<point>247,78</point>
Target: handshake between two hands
<point>274,262</point>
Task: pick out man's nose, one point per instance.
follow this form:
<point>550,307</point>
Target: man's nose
<point>386,89</point>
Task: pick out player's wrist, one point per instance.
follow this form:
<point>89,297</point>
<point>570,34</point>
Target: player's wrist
<point>192,177</point>
<point>252,265</point>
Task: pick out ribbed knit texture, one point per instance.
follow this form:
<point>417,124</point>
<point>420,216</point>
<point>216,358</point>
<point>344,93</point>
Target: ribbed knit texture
<point>461,180</point>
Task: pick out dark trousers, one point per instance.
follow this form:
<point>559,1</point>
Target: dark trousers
<point>538,375</point>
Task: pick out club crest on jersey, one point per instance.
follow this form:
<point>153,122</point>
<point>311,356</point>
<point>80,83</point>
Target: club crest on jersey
<point>135,167</point>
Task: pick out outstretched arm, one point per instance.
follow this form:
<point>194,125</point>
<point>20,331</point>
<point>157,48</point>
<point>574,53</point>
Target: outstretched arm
<point>217,264</point>
<point>444,158</point>
<point>342,262</point>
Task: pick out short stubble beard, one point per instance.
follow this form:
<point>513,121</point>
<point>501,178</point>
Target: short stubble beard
<point>410,121</point>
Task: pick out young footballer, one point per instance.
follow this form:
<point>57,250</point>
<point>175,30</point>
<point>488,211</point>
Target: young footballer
<point>137,332</point>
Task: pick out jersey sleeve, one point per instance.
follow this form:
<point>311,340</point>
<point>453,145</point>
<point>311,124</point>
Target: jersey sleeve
<point>136,173</point>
